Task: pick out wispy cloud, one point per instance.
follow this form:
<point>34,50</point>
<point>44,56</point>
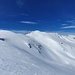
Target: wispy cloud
<point>68,27</point>
<point>24,14</point>
<point>20,3</point>
<point>28,22</point>
<point>71,21</point>
<point>64,24</point>
<point>69,24</point>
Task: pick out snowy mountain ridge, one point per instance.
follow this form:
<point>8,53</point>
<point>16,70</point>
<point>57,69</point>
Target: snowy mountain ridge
<point>36,53</point>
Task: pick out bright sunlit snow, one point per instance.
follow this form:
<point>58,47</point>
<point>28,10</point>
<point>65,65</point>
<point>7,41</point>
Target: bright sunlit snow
<point>36,53</point>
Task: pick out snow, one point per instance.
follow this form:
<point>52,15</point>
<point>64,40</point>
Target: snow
<point>36,53</point>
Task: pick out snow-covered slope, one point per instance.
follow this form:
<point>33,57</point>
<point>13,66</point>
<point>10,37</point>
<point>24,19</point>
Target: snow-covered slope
<point>36,53</point>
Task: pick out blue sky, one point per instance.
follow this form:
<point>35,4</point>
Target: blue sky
<point>44,15</point>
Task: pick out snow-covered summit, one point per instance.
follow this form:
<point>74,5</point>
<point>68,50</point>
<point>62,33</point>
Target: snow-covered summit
<point>36,53</point>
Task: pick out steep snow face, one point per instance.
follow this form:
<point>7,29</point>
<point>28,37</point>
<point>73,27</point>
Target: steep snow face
<point>58,48</point>
<point>36,53</point>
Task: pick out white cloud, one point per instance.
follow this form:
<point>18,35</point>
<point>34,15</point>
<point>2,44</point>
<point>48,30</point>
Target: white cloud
<point>71,21</point>
<point>64,24</point>
<point>20,3</point>
<point>24,14</point>
<point>68,27</point>
<point>28,22</point>
<point>70,24</point>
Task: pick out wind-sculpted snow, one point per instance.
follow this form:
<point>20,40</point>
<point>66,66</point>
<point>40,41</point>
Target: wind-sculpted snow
<point>36,53</point>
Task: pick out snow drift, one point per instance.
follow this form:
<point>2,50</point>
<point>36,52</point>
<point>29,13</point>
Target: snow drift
<point>36,53</point>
